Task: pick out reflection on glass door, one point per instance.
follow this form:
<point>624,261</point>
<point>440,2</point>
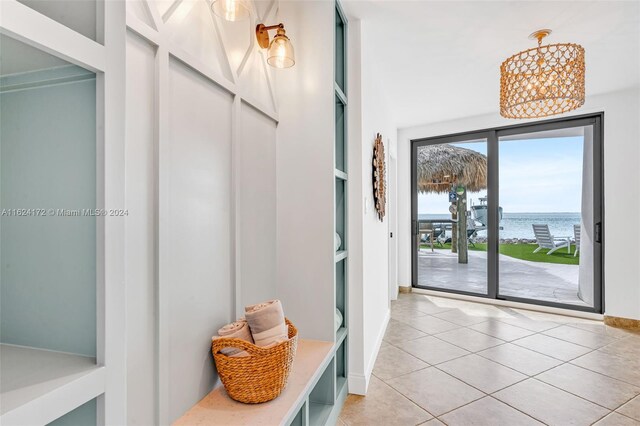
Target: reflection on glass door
<point>547,229</point>
<point>451,221</point>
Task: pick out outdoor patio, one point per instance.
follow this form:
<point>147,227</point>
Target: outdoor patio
<point>518,278</point>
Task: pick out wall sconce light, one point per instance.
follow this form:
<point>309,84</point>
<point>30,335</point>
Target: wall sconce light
<point>231,10</point>
<point>280,53</point>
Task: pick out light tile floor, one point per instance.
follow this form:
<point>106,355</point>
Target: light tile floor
<point>452,362</point>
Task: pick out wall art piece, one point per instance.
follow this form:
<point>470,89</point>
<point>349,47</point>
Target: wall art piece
<point>379,177</point>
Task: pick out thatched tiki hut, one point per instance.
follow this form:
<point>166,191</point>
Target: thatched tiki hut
<point>443,168</point>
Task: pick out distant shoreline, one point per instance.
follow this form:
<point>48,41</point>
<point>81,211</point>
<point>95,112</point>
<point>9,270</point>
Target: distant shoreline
<point>517,226</point>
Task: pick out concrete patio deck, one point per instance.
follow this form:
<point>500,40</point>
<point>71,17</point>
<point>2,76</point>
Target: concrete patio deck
<point>518,278</point>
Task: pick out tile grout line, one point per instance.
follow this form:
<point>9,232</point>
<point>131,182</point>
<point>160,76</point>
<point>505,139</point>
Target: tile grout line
<point>570,361</point>
<point>499,400</point>
<point>484,394</point>
<point>624,415</point>
<point>410,400</point>
<point>581,397</point>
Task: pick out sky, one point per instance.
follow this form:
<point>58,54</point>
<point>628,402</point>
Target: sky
<point>536,175</point>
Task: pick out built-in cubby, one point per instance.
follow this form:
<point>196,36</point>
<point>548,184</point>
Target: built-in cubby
<point>340,47</point>
<point>301,417</point>
<point>48,244</point>
<point>341,301</point>
<point>83,415</point>
<point>341,358</point>
<point>341,160</point>
<point>322,397</point>
<point>341,207</point>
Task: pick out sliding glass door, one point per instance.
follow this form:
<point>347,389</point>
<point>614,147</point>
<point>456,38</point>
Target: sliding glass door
<point>450,224</point>
<point>512,213</point>
<point>550,199</point>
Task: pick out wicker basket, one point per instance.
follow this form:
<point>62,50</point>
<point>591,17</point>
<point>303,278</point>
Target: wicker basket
<point>260,377</point>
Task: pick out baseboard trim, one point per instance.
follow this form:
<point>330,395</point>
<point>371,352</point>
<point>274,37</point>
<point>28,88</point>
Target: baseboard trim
<point>376,348</point>
<point>619,322</point>
<point>510,304</point>
<point>359,383</point>
<point>403,289</point>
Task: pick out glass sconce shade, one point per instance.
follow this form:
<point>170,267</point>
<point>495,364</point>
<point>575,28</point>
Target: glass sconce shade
<point>280,53</point>
<point>231,10</point>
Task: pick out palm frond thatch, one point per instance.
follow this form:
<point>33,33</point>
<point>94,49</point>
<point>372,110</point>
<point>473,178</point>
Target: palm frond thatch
<point>441,165</point>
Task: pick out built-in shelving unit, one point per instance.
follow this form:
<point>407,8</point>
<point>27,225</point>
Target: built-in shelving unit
<point>39,386</point>
<point>48,262</point>
<point>59,125</point>
<point>341,210</point>
<point>327,396</point>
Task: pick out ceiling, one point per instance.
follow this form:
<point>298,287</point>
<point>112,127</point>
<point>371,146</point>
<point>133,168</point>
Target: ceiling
<point>440,61</point>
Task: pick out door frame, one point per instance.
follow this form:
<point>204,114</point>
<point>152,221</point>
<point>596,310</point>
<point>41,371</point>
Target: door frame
<point>492,136</point>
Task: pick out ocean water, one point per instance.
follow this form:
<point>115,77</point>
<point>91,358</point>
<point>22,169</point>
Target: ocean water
<point>518,225</point>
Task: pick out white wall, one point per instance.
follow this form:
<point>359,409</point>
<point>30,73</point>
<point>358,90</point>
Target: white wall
<point>200,190</point>
<point>368,236</point>
<point>305,171</point>
<point>622,184</point>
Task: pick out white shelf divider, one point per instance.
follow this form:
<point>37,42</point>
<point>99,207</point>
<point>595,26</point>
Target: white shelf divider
<point>340,174</point>
<point>37,386</point>
<point>341,334</point>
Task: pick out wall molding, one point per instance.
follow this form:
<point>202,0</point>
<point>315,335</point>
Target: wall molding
<point>158,38</point>
<point>156,27</point>
<point>359,383</point>
<point>619,322</point>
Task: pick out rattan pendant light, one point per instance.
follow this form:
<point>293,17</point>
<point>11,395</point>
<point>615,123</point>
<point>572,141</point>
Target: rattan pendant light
<point>542,81</point>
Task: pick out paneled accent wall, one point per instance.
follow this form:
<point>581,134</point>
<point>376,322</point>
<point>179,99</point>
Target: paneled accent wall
<point>201,177</point>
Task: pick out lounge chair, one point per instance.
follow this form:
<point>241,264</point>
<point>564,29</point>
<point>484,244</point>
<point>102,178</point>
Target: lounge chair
<point>471,238</point>
<point>547,241</point>
<point>576,234</point>
<point>429,235</point>
<point>471,230</point>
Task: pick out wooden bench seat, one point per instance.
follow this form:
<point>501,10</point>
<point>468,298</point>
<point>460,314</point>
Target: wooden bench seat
<point>312,359</point>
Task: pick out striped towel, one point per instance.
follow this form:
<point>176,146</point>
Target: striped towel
<point>266,321</point>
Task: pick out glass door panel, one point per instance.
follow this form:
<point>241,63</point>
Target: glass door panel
<point>450,216</point>
<point>547,211</point>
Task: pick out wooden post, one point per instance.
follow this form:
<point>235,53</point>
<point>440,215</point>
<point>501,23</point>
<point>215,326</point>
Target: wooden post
<point>462,228</point>
<point>454,231</point>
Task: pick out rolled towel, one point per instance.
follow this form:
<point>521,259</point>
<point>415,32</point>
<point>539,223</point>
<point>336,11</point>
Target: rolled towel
<point>238,330</point>
<point>338,319</point>
<point>266,321</point>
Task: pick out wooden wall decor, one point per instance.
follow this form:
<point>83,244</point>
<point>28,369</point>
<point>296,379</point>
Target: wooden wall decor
<point>379,177</point>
